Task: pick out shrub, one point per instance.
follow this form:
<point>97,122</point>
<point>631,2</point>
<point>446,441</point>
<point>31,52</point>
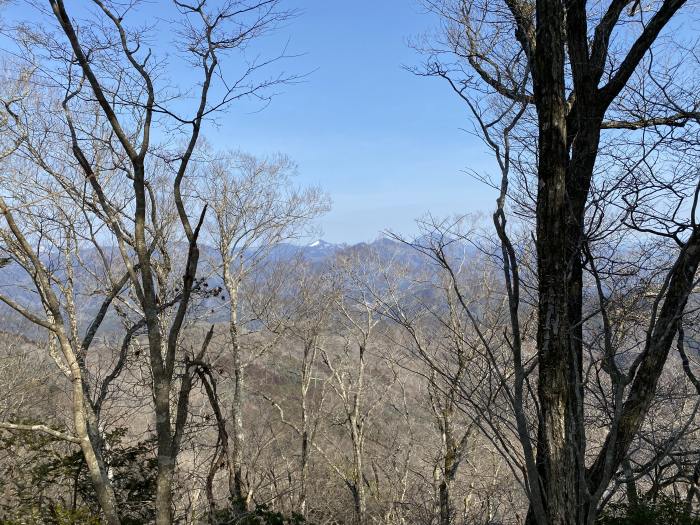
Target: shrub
<point>665,511</point>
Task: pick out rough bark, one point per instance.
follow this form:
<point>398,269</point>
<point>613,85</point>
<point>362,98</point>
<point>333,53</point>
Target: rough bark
<point>555,459</point>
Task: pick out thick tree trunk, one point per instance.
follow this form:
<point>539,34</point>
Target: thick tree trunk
<point>579,175</point>
<point>161,369</point>
<point>165,459</point>
<point>555,454</point>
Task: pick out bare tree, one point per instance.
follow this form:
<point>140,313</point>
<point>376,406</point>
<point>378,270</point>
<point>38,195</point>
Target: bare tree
<point>254,209</point>
<point>359,387</point>
<point>543,81</point>
<point>305,311</point>
<point>113,101</point>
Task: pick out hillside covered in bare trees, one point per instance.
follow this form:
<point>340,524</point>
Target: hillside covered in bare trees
<point>176,347</point>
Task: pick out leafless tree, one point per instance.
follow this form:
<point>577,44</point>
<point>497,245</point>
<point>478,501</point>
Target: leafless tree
<point>113,101</point>
<point>544,81</point>
<point>254,209</point>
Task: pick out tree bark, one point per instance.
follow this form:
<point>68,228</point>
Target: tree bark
<point>235,459</point>
<point>555,457</point>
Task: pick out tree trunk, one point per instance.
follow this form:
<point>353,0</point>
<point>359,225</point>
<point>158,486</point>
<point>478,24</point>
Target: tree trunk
<point>359,504</point>
<point>641,392</point>
<point>303,472</point>
<point>91,452</point>
<point>237,436</point>
<point>630,484</point>
<point>555,457</point>
<point>445,509</point>
<point>449,468</point>
<point>165,459</point>
<point>235,460</point>
<point>358,489</point>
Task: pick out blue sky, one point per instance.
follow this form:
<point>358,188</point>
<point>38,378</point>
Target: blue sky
<point>386,145</point>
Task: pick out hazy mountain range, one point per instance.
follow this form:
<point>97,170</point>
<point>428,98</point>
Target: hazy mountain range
<point>16,283</point>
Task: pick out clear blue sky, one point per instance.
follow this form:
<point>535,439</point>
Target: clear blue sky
<point>386,145</point>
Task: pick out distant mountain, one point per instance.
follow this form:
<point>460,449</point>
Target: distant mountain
<point>16,283</point>
<point>320,244</point>
<point>320,250</point>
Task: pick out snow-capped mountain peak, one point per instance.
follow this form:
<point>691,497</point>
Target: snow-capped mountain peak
<point>319,243</point>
